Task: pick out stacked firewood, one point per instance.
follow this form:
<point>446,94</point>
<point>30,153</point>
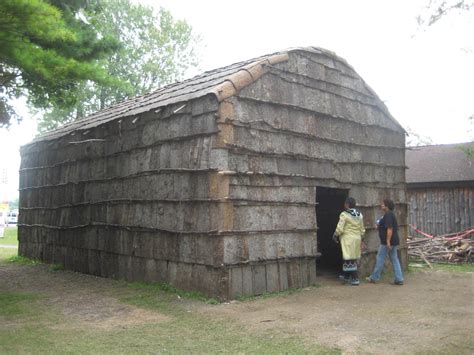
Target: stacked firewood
<point>450,248</point>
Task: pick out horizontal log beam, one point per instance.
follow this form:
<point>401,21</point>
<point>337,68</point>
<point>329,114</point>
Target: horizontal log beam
<point>273,129</point>
<point>322,114</point>
<point>235,201</point>
<point>159,230</point>
<point>125,177</point>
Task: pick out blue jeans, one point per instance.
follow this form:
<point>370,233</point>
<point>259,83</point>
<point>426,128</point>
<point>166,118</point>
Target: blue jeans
<point>381,255</point>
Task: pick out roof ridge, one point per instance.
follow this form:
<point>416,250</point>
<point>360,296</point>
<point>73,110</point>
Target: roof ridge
<point>230,84</point>
<point>222,82</point>
<point>439,145</point>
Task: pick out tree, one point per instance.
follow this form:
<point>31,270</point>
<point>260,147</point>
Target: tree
<point>156,50</point>
<point>46,51</point>
<point>467,149</point>
<point>415,139</point>
<point>438,9</point>
<point>13,204</point>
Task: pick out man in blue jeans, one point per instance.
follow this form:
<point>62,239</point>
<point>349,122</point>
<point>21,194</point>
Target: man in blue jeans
<point>389,241</point>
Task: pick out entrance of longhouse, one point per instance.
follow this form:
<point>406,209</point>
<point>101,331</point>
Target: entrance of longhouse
<point>329,205</point>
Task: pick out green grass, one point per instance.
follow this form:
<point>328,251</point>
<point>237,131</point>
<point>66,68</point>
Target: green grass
<point>266,295</point>
<point>454,267</point>
<point>6,254</point>
<point>32,324</point>
<point>10,236</point>
<point>156,286</point>
<point>188,332</point>
<point>215,335</point>
<point>421,266</point>
<point>178,330</point>
<point>200,297</point>
<point>18,259</point>
<point>196,335</point>
<point>14,304</point>
<point>56,267</point>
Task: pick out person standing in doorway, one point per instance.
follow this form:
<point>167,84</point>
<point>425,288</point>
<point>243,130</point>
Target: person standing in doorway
<point>349,231</point>
<point>389,241</point>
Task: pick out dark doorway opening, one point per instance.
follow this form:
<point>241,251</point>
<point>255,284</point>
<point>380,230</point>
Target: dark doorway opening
<point>330,203</point>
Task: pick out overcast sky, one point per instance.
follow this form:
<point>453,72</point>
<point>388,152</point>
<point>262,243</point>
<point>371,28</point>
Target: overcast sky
<point>425,76</point>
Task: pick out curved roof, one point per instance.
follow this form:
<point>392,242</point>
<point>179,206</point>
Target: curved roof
<point>223,83</point>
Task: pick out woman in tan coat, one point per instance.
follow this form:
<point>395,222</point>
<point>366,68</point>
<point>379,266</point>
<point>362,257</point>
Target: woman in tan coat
<point>349,231</point>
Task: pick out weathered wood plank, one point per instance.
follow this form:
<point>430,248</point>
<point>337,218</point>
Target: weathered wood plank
<point>272,277</point>
<point>440,210</point>
<point>247,280</point>
<point>259,280</point>
<point>236,282</point>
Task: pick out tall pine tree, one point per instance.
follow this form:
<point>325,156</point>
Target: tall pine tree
<point>47,50</point>
<point>155,50</point>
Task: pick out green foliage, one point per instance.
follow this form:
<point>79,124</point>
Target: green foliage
<point>23,260</point>
<point>156,51</point>
<point>46,51</point>
<point>56,267</point>
<point>14,204</point>
<point>469,151</point>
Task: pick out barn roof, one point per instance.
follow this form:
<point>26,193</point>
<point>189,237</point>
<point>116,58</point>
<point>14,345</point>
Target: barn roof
<point>440,163</point>
<point>223,83</point>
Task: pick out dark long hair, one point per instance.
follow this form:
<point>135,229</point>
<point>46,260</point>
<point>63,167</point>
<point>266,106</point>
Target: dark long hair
<point>389,203</point>
<point>351,202</point>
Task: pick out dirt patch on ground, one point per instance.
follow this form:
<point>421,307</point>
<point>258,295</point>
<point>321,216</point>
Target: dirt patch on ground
<point>82,300</point>
<point>432,311</point>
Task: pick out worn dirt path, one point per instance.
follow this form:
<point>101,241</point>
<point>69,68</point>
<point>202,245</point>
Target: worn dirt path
<point>83,300</point>
<point>432,311</point>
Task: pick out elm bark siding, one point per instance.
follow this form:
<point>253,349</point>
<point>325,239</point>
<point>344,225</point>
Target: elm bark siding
<point>307,124</point>
<point>216,192</point>
<point>132,204</point>
<point>441,210</point>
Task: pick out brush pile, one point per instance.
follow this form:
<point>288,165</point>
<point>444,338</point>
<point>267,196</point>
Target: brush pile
<point>450,248</point>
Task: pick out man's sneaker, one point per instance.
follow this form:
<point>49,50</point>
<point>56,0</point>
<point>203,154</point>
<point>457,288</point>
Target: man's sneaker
<point>355,282</point>
<point>370,280</point>
<point>343,278</point>
<point>397,283</point>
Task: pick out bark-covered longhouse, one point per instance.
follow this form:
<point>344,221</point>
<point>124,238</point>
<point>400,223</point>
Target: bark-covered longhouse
<point>229,183</point>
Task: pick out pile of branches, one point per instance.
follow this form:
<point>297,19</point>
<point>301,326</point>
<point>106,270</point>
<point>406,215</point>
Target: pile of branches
<point>449,248</point>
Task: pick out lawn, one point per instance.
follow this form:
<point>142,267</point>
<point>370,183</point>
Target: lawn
<point>6,254</point>
<point>415,265</point>
<point>44,309</point>
<point>10,236</point>
<point>37,318</point>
